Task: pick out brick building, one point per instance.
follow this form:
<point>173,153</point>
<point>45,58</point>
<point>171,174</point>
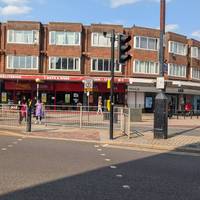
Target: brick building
<point>62,55</point>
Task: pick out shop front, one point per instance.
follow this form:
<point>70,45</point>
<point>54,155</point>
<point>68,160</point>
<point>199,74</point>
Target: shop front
<point>144,97</point>
<point>60,92</point>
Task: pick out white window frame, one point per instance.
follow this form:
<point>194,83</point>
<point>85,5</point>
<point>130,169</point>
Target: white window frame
<point>65,32</point>
<point>100,45</point>
<point>12,67</point>
<point>139,36</point>
<point>198,73</point>
<point>155,63</point>
<point>197,52</point>
<point>74,70</point>
<point>34,41</point>
<point>91,64</point>
<point>170,43</point>
<point>175,66</point>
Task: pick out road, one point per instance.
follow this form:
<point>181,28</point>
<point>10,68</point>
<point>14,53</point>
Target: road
<point>42,169</point>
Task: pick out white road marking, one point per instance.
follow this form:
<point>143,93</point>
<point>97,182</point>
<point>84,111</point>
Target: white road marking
<point>119,175</point>
<point>3,149</point>
<point>96,146</point>
<point>126,187</point>
<point>103,154</point>
<point>10,145</point>
<point>99,149</point>
<point>113,167</point>
<point>107,159</point>
<point>105,145</point>
<point>15,142</point>
<point>19,139</point>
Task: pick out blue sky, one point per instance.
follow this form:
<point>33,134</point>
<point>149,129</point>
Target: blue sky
<point>182,16</point>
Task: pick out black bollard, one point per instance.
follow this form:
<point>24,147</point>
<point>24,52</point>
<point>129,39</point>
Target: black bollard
<point>161,117</point>
<point>28,121</point>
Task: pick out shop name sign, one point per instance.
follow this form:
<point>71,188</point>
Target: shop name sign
<point>141,89</point>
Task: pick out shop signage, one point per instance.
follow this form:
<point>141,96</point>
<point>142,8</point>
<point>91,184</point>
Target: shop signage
<point>141,89</point>
<point>3,97</point>
<point>60,78</point>
<point>67,98</point>
<point>44,97</point>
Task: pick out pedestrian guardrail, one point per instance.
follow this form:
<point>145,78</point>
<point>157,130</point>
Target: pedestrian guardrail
<point>69,116</point>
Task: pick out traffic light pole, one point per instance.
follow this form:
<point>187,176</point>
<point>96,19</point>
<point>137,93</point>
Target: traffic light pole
<point>112,82</point>
<point>161,100</point>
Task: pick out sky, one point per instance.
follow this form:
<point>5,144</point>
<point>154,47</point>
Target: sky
<point>182,16</point>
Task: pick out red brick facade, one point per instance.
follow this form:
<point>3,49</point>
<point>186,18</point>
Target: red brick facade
<point>85,51</point>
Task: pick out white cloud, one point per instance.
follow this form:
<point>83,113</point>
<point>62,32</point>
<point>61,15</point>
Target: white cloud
<point>14,10</point>
<point>14,2</point>
<point>196,34</point>
<point>118,3</point>
<point>171,27</point>
<point>14,7</point>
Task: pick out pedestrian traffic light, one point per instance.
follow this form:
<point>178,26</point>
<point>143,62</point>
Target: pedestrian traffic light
<point>124,47</point>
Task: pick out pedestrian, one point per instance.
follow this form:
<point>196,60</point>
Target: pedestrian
<point>38,112</point>
<point>23,110</point>
<point>99,105</point>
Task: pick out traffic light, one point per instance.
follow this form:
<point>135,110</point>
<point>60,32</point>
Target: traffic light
<point>124,47</point>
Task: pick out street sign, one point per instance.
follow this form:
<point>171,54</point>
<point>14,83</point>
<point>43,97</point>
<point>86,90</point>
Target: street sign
<point>160,83</point>
<point>88,85</point>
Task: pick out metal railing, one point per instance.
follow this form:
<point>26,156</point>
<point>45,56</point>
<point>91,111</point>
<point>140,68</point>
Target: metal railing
<point>81,116</point>
<point>126,122</point>
<point>11,115</point>
<point>69,116</point>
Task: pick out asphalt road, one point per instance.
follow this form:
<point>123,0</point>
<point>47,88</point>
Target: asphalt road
<point>41,169</point>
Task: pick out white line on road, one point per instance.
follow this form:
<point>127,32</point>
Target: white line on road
<point>19,139</point>
<point>108,159</point>
<point>99,149</point>
<point>96,146</point>
<point>10,145</point>
<point>105,145</point>
<point>103,154</point>
<point>15,142</point>
<point>126,187</point>
<point>119,175</point>
<point>113,167</point>
<point>3,149</point>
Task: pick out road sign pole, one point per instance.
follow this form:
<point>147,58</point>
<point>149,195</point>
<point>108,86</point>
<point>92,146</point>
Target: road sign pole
<point>112,82</point>
<point>161,105</point>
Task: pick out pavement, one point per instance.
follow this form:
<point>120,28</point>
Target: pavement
<point>183,135</point>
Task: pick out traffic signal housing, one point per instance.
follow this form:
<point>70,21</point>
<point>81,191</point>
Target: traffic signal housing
<point>124,47</point>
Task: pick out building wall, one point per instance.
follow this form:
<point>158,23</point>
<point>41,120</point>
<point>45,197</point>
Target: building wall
<point>86,51</point>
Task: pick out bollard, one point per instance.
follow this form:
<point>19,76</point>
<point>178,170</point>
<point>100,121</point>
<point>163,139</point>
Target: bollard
<point>28,121</point>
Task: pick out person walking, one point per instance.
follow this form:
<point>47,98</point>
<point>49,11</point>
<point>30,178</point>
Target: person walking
<point>23,110</point>
<point>38,112</point>
<point>99,105</point>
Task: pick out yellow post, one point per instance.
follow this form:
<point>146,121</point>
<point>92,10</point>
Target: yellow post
<point>108,84</point>
<point>108,105</point>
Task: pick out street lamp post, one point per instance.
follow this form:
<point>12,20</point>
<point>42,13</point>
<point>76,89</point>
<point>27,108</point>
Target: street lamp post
<point>161,101</point>
<point>37,80</point>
